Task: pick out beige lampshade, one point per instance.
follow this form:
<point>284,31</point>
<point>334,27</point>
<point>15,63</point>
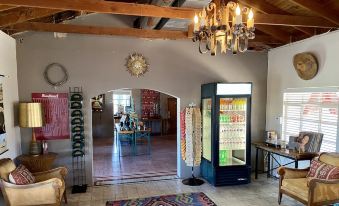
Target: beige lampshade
<point>30,115</point>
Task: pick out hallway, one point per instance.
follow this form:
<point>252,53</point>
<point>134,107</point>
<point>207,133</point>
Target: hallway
<point>161,162</point>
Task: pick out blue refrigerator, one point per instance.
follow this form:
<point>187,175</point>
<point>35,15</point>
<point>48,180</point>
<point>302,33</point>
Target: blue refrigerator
<point>226,137</point>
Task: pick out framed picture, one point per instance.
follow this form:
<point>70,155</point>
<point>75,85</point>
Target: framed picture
<point>98,103</point>
<point>55,108</point>
<point>306,142</point>
<point>3,137</point>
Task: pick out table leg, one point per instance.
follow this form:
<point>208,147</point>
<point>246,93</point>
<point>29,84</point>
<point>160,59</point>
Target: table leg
<point>149,143</point>
<point>296,164</point>
<point>134,140</point>
<point>256,162</point>
<point>118,144</point>
<point>268,164</point>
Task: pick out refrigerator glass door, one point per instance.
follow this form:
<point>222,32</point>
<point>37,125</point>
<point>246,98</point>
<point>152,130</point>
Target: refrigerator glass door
<point>206,129</point>
<point>232,131</point>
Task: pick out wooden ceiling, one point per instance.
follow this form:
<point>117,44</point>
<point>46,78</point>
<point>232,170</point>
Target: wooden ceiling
<point>277,22</point>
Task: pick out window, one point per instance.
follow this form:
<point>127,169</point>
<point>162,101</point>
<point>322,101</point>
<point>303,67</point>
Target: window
<point>122,100</point>
<point>315,111</point>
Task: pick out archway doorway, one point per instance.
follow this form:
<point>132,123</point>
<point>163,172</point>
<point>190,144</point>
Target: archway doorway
<point>122,152</point>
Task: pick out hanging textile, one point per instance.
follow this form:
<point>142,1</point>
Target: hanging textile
<point>192,136</point>
<point>197,136</point>
<point>182,135</point>
<point>189,136</point>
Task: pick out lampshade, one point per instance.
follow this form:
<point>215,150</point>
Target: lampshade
<point>30,115</point>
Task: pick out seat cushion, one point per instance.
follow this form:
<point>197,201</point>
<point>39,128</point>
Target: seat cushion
<point>6,166</point>
<point>21,176</point>
<point>297,187</point>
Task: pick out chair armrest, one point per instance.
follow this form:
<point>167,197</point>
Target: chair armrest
<point>46,192</point>
<point>59,172</point>
<point>291,173</point>
<point>324,191</point>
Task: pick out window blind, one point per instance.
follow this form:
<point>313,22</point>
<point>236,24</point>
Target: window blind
<point>312,111</point>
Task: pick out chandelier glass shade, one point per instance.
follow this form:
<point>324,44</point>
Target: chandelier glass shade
<point>221,24</point>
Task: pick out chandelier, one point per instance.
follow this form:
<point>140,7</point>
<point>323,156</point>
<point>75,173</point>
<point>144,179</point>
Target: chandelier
<point>221,24</point>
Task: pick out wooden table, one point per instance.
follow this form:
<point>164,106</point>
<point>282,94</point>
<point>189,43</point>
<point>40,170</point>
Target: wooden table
<point>38,163</point>
<point>149,123</point>
<point>133,135</point>
<point>290,154</point>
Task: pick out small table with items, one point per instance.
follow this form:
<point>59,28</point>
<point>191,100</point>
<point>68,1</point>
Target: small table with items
<point>132,136</point>
<point>38,163</point>
<point>271,151</point>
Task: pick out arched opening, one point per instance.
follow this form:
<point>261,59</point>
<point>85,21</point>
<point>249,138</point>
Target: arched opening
<point>134,136</point>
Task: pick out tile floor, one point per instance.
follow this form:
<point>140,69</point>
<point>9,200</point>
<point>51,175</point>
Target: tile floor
<point>261,192</point>
<point>163,159</point>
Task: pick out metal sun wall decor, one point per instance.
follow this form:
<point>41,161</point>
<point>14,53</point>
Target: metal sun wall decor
<point>137,64</point>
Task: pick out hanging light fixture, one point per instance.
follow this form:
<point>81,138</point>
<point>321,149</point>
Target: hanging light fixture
<point>221,24</point>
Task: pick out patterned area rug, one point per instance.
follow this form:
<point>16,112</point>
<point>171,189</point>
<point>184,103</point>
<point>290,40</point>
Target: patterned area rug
<point>188,199</point>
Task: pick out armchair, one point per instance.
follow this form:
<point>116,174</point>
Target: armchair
<point>293,182</point>
<point>48,189</point>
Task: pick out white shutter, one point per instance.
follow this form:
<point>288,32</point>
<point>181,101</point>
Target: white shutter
<point>312,111</point>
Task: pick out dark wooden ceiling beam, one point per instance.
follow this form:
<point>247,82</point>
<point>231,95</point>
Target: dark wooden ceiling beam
<point>107,7</point>
<point>132,32</point>
<point>22,14</point>
<point>158,11</point>
<point>265,39</point>
<point>97,30</point>
<point>278,34</point>
<point>267,8</point>
<point>323,11</point>
<point>291,20</point>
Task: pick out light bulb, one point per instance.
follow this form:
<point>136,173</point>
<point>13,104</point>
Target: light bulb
<point>196,19</point>
<point>250,14</point>
<point>237,10</point>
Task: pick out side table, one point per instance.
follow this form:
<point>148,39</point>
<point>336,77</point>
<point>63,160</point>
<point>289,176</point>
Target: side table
<point>38,163</point>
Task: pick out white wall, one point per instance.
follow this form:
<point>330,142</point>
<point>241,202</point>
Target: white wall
<point>8,66</point>
<point>281,73</point>
<point>97,64</point>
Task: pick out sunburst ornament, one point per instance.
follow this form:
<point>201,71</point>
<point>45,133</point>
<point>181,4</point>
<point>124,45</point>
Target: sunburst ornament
<point>137,64</point>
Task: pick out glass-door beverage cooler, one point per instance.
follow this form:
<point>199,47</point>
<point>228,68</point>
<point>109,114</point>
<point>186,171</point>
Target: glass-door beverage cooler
<point>226,139</point>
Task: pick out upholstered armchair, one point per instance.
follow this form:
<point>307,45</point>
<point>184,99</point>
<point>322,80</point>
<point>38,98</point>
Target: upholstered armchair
<point>293,182</point>
<point>48,189</point>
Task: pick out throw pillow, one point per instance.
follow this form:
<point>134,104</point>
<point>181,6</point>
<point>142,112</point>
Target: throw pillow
<point>21,176</point>
<point>323,171</point>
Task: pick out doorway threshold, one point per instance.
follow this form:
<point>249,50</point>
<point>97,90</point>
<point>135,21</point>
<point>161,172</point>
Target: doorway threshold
<point>134,179</point>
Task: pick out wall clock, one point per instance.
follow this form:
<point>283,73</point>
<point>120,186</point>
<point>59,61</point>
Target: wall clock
<point>137,64</point>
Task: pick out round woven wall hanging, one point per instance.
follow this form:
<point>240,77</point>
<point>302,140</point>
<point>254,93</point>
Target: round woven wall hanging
<point>306,65</point>
<point>57,67</point>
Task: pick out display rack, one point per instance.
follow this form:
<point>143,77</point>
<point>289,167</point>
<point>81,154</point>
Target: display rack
<point>78,139</point>
<point>193,181</point>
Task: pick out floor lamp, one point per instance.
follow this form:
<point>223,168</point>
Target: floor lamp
<point>30,116</point>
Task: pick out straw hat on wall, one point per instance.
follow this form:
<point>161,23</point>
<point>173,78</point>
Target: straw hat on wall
<point>306,65</point>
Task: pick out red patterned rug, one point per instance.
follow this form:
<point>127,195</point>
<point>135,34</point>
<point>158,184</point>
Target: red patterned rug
<point>188,199</point>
